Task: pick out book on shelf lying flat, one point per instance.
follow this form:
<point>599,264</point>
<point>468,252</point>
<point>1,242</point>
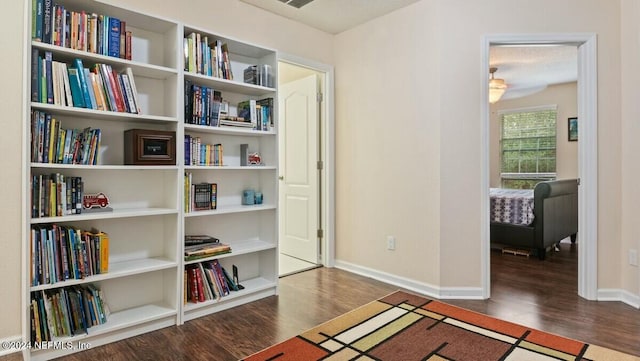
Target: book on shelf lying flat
<point>193,239</point>
<point>205,250</point>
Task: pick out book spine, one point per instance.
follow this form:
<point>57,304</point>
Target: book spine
<point>64,74</point>
<point>117,91</point>
<point>48,57</point>
<point>35,75</point>
<point>126,93</point>
<point>39,17</point>
<point>106,74</point>
<point>92,96</point>
<point>67,29</point>
<point>83,83</point>
<point>128,42</point>
<point>134,90</point>
<point>77,98</point>
<point>114,37</point>
<point>47,21</point>
<point>122,33</point>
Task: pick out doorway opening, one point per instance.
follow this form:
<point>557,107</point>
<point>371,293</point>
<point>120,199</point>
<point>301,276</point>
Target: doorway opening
<point>305,221</point>
<point>587,151</point>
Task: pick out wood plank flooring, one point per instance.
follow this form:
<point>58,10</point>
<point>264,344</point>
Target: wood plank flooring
<point>540,294</point>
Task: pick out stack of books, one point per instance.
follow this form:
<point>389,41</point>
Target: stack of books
<point>203,246</point>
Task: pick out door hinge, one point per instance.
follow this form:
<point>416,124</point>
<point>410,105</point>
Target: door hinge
<point>320,165</point>
<point>320,233</point>
<point>319,97</point>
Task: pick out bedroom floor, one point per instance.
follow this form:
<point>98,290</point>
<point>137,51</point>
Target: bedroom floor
<point>540,294</point>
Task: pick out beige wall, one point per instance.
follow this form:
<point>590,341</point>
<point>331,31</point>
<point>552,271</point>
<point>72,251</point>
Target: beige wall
<point>564,96</point>
<point>11,169</point>
<point>388,144</point>
<point>424,63</point>
<point>238,20</point>
<point>630,105</point>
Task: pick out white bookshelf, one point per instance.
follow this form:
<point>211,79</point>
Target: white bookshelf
<point>250,230</point>
<point>144,286</point>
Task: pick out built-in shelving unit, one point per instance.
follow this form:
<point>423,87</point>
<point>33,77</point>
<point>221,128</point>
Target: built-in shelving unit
<point>250,230</point>
<point>144,287</point>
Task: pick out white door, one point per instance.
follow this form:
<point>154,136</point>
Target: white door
<point>298,149</point>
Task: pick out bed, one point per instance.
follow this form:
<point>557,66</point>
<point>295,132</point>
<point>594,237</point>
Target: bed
<point>534,219</point>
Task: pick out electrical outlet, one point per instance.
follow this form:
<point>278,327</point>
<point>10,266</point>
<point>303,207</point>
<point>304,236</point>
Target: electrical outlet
<point>633,257</point>
<point>391,243</point>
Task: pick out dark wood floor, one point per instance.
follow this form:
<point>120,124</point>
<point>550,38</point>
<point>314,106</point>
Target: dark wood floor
<point>540,294</point>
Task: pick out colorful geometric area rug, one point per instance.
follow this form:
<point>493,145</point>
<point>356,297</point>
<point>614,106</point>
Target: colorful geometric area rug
<point>406,327</point>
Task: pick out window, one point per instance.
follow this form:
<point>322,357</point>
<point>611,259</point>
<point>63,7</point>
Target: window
<point>528,147</point>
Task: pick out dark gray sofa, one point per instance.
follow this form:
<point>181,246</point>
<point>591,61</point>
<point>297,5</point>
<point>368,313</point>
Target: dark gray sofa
<point>555,218</point>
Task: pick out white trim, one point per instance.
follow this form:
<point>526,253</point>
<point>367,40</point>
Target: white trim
<point>588,168</point>
<point>25,226</point>
<point>587,151</point>
<point>624,296</point>
<point>469,293</point>
<point>539,108</point>
<point>485,247</point>
<point>328,138</point>
<point>10,340</point>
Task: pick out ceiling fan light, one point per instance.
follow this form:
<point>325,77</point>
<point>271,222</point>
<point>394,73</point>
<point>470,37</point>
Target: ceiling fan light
<point>497,87</point>
<point>495,94</point>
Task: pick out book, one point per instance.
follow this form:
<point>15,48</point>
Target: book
<point>193,239</point>
<point>35,75</point>
<point>39,11</point>
<point>84,87</point>
<point>76,88</point>
<point>47,21</point>
<point>48,76</point>
<point>202,196</point>
<point>92,96</point>
<point>128,91</point>
<point>114,37</point>
<point>205,250</point>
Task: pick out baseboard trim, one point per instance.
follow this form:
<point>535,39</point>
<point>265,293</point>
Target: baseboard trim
<point>624,296</point>
<point>470,293</point>
<point>7,341</point>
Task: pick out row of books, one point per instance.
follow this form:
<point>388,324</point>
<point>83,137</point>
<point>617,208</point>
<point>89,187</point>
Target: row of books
<point>203,105</point>
<point>206,57</point>
<point>196,153</point>
<point>257,114</point>
<point>50,143</point>
<point>66,312</point>
<point>61,253</point>
<point>199,196</point>
<point>99,87</point>
<point>207,281</point>
<point>55,195</point>
<point>203,246</point>
<point>80,30</point>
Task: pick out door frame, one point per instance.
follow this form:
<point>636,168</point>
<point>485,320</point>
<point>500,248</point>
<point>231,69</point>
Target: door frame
<point>327,153</point>
<point>587,152</point>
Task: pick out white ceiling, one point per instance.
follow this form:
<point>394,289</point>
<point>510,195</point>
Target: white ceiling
<point>529,69</point>
<point>525,69</point>
<point>332,16</point>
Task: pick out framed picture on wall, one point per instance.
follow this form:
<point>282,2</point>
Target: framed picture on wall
<point>573,129</point>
